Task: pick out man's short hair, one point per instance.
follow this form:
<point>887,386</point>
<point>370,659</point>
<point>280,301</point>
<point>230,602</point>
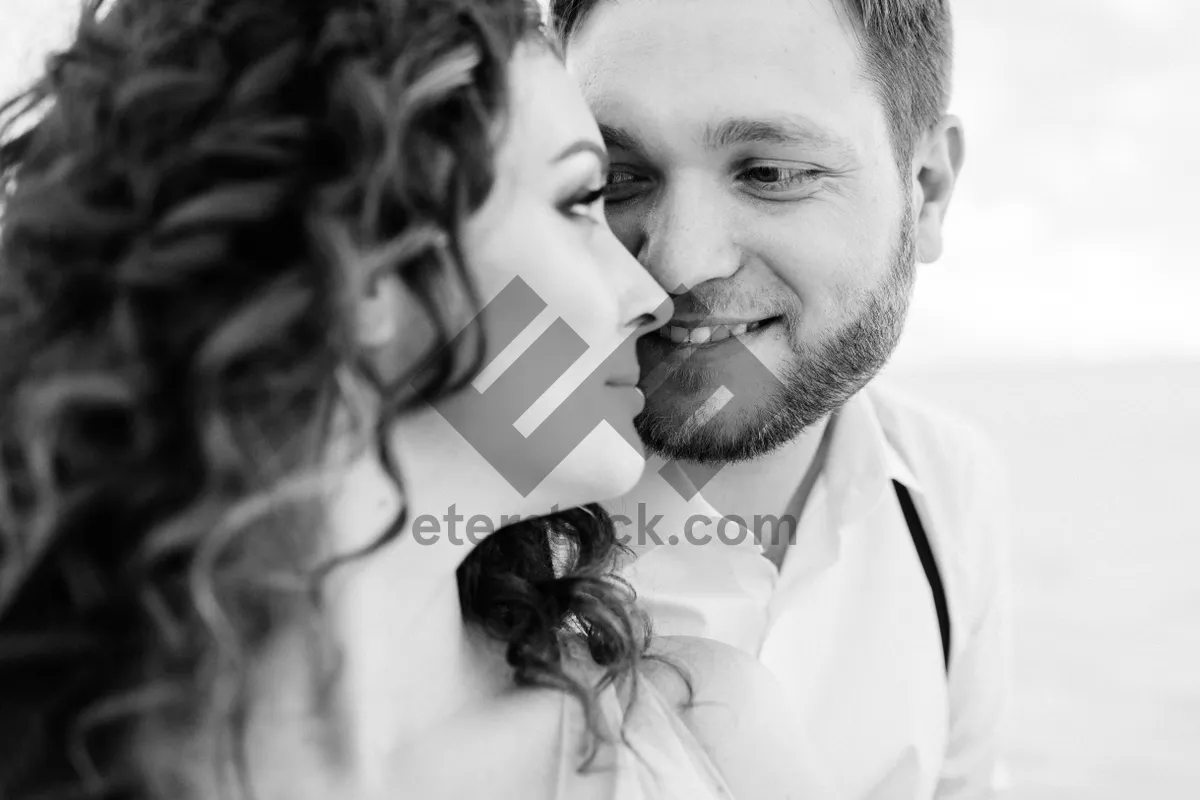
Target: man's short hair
<point>907,47</point>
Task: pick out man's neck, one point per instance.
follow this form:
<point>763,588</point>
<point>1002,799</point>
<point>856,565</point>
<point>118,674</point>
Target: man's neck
<point>773,486</point>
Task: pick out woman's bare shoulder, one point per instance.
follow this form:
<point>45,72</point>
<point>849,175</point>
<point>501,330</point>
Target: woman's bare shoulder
<point>516,747</point>
<point>741,716</point>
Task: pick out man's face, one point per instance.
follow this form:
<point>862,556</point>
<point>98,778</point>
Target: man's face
<point>753,175</point>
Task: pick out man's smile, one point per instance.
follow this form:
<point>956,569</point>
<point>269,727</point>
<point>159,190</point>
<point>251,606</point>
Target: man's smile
<point>710,331</point>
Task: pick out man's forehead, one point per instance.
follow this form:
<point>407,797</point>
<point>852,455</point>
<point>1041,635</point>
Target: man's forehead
<point>650,51</point>
<point>720,133</point>
<point>697,32</point>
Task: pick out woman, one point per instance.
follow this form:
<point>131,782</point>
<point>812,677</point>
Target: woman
<point>242,252</point>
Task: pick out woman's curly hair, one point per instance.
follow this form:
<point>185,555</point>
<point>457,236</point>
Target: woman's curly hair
<point>193,192</point>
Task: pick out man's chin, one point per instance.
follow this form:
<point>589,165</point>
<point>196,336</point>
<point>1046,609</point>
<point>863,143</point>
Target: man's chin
<point>725,439</point>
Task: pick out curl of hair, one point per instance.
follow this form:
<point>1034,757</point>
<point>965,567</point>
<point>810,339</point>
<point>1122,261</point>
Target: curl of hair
<point>192,193</point>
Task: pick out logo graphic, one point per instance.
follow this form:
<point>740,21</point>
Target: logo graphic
<point>487,419</point>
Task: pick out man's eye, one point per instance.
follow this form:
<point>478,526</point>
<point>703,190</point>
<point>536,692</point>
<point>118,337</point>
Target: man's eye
<point>621,186</point>
<point>776,178</point>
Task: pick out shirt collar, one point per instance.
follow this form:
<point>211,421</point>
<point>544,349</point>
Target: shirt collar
<point>665,491</point>
<point>858,473</point>
<point>861,463</point>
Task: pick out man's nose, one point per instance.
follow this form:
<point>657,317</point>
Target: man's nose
<point>688,238</point>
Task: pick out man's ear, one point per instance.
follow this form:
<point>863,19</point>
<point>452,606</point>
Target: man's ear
<point>936,165</point>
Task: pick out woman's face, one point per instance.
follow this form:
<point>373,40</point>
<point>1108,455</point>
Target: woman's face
<point>539,407</point>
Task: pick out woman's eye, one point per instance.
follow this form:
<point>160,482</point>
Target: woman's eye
<point>584,205</point>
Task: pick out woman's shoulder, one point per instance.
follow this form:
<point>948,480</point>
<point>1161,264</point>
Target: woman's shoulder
<point>681,665</point>
<point>620,743</point>
<point>519,743</point>
<point>741,717</point>
<point>505,748</point>
<point>528,743</point>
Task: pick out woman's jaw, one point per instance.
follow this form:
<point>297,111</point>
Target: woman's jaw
<point>453,497</point>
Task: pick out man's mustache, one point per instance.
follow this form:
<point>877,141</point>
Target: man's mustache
<point>731,300</point>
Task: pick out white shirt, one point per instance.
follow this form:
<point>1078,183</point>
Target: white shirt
<point>848,624</point>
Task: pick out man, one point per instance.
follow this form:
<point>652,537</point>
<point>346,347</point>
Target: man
<point>780,166</point>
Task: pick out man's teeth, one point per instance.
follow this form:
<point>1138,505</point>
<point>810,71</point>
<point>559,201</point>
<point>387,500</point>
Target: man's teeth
<point>706,335</point>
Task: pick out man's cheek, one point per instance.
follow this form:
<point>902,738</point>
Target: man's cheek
<point>823,268</point>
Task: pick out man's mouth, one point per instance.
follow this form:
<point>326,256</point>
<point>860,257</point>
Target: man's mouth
<point>687,333</point>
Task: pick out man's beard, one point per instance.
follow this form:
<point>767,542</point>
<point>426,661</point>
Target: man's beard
<point>818,381</point>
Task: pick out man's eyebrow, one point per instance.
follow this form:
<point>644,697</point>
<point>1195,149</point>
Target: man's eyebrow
<point>615,137</point>
<point>779,130</point>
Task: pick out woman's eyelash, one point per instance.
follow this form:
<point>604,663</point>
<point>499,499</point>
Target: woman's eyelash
<point>591,197</point>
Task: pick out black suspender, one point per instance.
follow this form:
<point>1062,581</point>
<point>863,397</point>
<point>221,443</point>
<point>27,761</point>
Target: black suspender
<point>917,530</point>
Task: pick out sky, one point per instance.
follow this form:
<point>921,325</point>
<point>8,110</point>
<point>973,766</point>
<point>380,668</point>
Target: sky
<point>1071,235</point>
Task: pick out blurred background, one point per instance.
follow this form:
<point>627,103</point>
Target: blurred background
<point>1063,320</point>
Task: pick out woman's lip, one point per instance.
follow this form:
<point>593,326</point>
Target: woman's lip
<point>633,387</point>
